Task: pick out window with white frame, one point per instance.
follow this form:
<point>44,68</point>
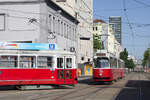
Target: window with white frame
<point>50,22</point>
<point>75,34</point>
<point>61,29</point>
<point>69,63</point>
<point>67,31</point>
<point>8,61</point>
<point>2,22</point>
<point>70,35</point>
<point>45,62</point>
<point>27,61</point>
<point>58,24</point>
<point>54,25</point>
<point>72,31</point>
<point>64,29</point>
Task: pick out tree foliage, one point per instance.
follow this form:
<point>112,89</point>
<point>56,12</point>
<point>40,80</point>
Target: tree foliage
<point>128,62</point>
<point>146,59</point>
<point>97,43</point>
<point>124,55</point>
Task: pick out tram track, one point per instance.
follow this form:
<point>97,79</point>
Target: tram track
<point>89,94</point>
<point>64,94</point>
<point>83,91</point>
<point>86,95</point>
<point>79,93</point>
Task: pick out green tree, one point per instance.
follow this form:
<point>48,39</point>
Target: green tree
<point>124,55</point>
<point>128,62</point>
<point>97,42</point>
<point>146,59</point>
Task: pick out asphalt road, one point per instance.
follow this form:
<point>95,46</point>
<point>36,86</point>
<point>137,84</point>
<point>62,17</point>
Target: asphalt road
<point>136,89</point>
<point>133,87</point>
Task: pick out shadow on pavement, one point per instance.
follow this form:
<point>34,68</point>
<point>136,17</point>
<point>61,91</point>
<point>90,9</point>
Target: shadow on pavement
<point>89,81</point>
<point>135,90</point>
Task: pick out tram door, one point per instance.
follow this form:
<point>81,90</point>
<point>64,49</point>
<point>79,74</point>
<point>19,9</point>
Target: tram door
<point>65,70</point>
<point>69,76</point>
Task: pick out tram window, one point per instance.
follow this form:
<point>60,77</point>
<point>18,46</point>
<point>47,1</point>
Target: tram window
<point>113,62</point>
<point>69,63</point>
<point>27,61</point>
<point>45,62</point>
<point>101,63</point>
<point>119,64</point>
<point>8,61</point>
<point>60,63</point>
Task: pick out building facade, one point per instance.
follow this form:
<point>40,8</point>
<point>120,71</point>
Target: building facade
<point>37,21</point>
<point>83,11</point>
<point>107,36</point>
<point>100,29</point>
<point>115,24</point>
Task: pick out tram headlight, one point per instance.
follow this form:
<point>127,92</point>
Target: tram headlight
<point>52,77</point>
<point>100,74</point>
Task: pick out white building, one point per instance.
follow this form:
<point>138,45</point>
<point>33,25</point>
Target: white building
<point>100,28</point>
<point>83,11</point>
<point>106,33</point>
<point>37,21</point>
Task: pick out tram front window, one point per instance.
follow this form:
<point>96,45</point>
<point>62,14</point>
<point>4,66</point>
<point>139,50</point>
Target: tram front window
<point>101,63</point>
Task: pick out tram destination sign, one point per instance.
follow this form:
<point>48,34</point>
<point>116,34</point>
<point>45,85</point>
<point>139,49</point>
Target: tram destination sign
<point>28,46</point>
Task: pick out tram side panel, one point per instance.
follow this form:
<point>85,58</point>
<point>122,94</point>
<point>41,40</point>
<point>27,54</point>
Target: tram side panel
<point>36,76</point>
<point>27,76</point>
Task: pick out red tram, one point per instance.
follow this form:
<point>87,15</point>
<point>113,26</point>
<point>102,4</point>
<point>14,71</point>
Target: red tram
<point>37,67</point>
<point>107,68</point>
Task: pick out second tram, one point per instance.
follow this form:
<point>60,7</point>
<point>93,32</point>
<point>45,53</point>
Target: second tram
<point>107,68</point>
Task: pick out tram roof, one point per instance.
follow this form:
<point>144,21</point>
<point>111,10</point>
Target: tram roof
<point>44,52</point>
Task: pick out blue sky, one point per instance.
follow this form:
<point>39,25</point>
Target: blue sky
<point>138,12</point>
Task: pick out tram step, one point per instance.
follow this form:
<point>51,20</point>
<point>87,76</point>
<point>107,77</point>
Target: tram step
<point>34,87</point>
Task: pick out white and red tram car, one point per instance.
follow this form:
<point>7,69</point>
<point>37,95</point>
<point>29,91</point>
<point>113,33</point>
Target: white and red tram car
<point>37,67</point>
<point>107,67</point>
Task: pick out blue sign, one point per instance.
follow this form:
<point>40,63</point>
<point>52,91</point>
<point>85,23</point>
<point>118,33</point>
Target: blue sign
<point>52,46</point>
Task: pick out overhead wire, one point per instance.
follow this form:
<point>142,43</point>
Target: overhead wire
<point>128,21</point>
<point>132,8</point>
<point>142,3</point>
